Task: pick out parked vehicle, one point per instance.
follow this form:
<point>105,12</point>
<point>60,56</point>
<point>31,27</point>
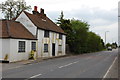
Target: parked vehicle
<point>109,48</point>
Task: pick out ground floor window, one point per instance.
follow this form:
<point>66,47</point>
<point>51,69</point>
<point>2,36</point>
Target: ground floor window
<point>21,46</point>
<point>33,46</point>
<point>45,47</point>
<point>60,48</point>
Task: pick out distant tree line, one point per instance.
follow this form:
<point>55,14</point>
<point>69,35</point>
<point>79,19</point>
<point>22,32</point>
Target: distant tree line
<point>79,38</point>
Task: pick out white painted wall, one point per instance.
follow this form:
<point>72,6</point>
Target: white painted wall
<point>5,48</point>
<point>27,23</point>
<point>64,45</point>
<point>18,56</point>
<point>10,47</point>
<point>53,38</point>
<point>40,42</point>
<point>0,49</point>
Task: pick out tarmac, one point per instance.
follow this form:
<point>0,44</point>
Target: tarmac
<point>113,73</point>
<point>17,64</point>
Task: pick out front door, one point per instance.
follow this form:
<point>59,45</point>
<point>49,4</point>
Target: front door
<point>53,49</point>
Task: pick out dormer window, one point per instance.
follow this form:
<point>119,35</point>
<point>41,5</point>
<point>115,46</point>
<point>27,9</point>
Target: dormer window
<point>46,33</point>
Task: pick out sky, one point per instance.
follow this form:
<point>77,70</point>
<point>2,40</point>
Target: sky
<point>102,15</point>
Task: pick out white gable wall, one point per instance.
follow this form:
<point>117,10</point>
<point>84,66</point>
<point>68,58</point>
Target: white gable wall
<point>27,23</point>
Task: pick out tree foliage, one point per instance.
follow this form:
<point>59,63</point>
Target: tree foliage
<point>108,44</point>
<point>94,42</point>
<point>79,38</point>
<point>12,9</point>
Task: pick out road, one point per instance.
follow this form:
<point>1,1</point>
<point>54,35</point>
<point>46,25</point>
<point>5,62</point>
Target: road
<point>92,65</point>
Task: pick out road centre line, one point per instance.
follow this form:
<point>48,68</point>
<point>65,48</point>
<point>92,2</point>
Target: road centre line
<point>68,64</point>
<point>52,70</point>
<point>36,76</point>
<point>14,67</point>
<point>109,68</point>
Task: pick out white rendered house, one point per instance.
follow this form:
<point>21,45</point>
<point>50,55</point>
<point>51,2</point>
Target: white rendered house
<point>16,41</point>
<point>48,39</point>
<point>51,38</point>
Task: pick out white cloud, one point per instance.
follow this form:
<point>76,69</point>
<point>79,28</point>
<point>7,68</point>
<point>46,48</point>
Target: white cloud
<point>66,5</point>
<point>100,14</point>
<point>112,35</point>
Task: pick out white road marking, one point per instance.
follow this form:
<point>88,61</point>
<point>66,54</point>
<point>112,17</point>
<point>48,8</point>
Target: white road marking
<point>36,76</point>
<point>15,67</point>
<point>76,62</point>
<point>68,64</point>
<point>109,68</point>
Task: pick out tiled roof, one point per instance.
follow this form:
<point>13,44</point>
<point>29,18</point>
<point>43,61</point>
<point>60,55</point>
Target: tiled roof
<point>14,29</point>
<point>43,22</point>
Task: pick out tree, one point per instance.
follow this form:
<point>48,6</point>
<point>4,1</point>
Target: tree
<point>79,38</point>
<point>60,19</point>
<point>94,42</point>
<point>65,24</point>
<point>12,9</point>
<point>108,44</point>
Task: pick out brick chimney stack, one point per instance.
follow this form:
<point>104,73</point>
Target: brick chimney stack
<point>35,10</point>
<point>42,11</point>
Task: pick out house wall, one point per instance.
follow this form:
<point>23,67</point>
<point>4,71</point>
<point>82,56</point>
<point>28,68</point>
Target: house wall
<point>27,23</point>
<point>64,45</point>
<point>11,46</point>
<point>53,38</point>
<point>40,42</point>
<point>14,46</point>
<point>0,49</point>
<point>5,49</point>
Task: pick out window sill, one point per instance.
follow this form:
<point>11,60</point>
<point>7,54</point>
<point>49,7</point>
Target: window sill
<point>45,52</point>
<point>21,51</point>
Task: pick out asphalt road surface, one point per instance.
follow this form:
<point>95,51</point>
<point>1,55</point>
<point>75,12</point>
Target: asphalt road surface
<point>92,65</point>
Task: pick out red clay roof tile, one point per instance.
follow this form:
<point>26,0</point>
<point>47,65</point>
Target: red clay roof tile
<point>43,22</point>
<point>13,29</point>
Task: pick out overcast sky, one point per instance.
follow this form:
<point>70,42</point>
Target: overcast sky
<point>102,15</point>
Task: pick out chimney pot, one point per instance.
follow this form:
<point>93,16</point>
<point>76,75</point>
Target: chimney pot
<point>35,8</point>
<point>42,11</point>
